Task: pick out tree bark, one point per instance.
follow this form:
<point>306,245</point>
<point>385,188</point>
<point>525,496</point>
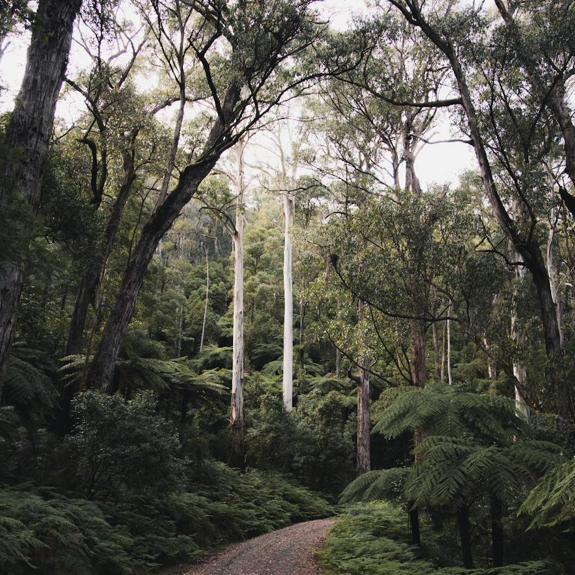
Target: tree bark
<point>519,370</point>
<point>237,409</point>
<point>27,138</point>
<point>465,536</point>
<point>93,273</point>
<point>414,524</point>
<point>491,367</point>
<point>363,421</point>
<point>419,371</point>
<point>363,410</point>
<point>497,531</point>
<point>102,367</point>
<point>207,300</point>
<point>436,360</point>
<point>288,209</point>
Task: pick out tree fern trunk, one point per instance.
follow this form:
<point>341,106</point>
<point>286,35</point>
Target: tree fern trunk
<point>465,536</point>
<point>497,531</point>
<point>414,524</point>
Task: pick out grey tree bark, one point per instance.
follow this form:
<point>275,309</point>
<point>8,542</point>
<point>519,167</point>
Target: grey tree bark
<point>237,408</point>
<point>102,367</point>
<point>27,138</point>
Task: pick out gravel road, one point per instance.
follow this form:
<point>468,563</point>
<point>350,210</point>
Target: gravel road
<point>288,551</point>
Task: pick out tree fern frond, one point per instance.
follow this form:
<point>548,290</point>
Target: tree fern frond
<point>552,501</point>
<point>377,484</point>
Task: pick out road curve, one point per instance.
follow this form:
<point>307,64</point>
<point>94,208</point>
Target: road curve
<point>288,551</point>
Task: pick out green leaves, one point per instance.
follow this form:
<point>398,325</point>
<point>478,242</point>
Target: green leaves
<point>124,445</point>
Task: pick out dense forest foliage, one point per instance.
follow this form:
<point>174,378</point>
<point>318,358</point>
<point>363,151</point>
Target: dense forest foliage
<point>228,304</point>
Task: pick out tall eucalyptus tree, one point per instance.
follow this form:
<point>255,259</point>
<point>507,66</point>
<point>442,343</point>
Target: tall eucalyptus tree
<point>27,138</point>
<point>241,49</point>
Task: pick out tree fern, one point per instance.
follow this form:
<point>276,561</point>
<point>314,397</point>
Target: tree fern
<point>27,384</point>
<point>376,485</point>
<point>552,501</point>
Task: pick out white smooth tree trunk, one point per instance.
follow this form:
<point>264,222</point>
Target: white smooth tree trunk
<point>519,370</point>
<point>207,298</point>
<point>288,208</point>
<point>237,410</point>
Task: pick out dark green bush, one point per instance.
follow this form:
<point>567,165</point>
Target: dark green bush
<point>124,446</point>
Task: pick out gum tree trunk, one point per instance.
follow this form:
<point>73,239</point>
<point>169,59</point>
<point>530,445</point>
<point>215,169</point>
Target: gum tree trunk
<point>363,421</point>
<point>102,367</point>
<point>92,275</point>
<point>363,410</point>
<point>288,209</point>
<point>27,138</point>
<point>237,409</point>
<point>527,247</point>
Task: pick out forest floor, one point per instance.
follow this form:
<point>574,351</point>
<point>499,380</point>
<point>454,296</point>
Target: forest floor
<point>288,551</point>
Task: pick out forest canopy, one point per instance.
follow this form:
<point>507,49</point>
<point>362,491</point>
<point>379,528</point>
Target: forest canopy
<point>229,300</point>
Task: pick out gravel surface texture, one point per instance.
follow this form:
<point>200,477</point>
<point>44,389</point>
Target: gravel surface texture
<point>289,551</point>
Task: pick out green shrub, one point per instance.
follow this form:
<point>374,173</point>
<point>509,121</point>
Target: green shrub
<point>124,446</point>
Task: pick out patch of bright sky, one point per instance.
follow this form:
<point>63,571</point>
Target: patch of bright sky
<point>438,163</point>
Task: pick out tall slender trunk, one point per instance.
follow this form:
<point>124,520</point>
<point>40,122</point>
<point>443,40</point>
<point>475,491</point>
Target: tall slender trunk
<point>27,138</point>
<point>179,324</point>
<point>419,377</point>
<point>448,328</point>
<point>497,539</point>
<point>207,301</point>
<point>436,360</point>
<point>491,366</point>
<point>288,209</point>
<point>102,367</point>
<point>414,524</point>
<point>465,536</point>
<point>363,421</point>
<point>443,350</point>
<point>363,411</point>
<point>519,369</point>
<point>93,273</point>
<point>237,408</point>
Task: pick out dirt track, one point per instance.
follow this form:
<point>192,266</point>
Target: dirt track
<point>288,551</point>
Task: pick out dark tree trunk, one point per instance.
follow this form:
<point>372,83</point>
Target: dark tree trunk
<point>88,288</point>
<point>497,531</point>
<point>27,138</point>
<point>363,421</point>
<point>419,371</point>
<point>93,273</point>
<point>414,524</point>
<point>102,367</point>
<point>529,250</point>
<point>465,536</point>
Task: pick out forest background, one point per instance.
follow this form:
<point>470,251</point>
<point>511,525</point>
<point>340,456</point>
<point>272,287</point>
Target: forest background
<point>226,293</point>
